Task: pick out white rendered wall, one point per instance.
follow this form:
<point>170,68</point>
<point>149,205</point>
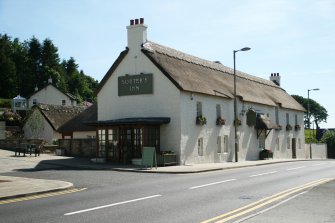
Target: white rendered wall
<point>164,102</point>
<point>50,95</point>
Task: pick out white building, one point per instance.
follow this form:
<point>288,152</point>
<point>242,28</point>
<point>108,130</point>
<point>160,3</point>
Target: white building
<point>45,120</point>
<point>51,95</point>
<point>152,96</point>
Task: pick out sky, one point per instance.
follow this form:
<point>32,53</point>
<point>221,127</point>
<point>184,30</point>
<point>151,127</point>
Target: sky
<point>295,38</point>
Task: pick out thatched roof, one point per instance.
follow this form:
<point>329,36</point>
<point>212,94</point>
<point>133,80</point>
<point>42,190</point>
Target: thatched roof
<point>192,74</point>
<point>57,115</point>
<point>76,124</point>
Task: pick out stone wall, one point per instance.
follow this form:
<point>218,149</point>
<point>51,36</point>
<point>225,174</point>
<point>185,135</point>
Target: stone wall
<point>10,144</point>
<point>319,150</point>
<point>78,147</point>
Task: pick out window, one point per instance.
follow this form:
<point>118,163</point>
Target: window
<point>277,115</point>
<point>218,111</point>
<point>63,102</point>
<point>277,143</point>
<point>296,119</point>
<point>200,147</point>
<point>288,143</point>
<point>299,143</point>
<point>34,101</point>
<point>219,142</point>
<point>199,109</point>
<point>225,143</point>
<point>287,119</point>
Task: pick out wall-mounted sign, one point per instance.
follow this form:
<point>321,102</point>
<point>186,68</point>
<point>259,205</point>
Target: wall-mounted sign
<point>135,84</point>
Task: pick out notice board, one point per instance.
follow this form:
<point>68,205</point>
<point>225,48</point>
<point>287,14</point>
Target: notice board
<point>149,157</point>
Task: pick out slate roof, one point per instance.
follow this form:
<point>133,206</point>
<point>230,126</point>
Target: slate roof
<point>193,74</point>
<point>76,124</point>
<point>57,115</point>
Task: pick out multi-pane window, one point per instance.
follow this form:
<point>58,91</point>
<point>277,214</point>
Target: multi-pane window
<point>296,119</point>
<point>288,143</point>
<point>277,115</point>
<point>199,108</point>
<point>200,147</point>
<point>225,143</point>
<point>287,119</point>
<point>277,143</point>
<point>218,111</point>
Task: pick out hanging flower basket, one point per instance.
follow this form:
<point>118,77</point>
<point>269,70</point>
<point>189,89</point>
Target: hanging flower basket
<point>238,122</point>
<point>297,127</point>
<point>201,120</point>
<point>220,121</point>
<point>288,127</point>
<point>279,127</point>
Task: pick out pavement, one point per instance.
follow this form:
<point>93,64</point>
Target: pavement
<point>12,187</point>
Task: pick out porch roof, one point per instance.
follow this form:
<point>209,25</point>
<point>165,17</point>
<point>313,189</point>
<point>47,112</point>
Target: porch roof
<point>132,121</point>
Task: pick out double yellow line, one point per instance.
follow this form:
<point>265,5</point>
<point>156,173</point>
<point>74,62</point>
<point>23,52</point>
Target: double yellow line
<point>265,201</point>
<point>43,195</point>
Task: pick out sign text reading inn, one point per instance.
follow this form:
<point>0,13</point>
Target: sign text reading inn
<point>135,84</point>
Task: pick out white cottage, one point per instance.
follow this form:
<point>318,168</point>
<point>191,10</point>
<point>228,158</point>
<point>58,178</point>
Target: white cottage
<point>157,96</point>
<point>51,95</point>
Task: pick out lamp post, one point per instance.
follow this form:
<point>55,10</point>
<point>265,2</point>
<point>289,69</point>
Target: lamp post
<point>235,103</point>
<point>309,122</point>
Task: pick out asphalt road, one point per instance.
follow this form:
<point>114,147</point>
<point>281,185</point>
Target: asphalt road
<point>285,192</point>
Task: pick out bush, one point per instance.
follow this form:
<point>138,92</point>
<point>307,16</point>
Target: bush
<point>5,103</point>
<point>329,138</point>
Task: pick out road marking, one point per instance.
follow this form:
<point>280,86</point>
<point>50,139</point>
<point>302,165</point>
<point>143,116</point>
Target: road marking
<point>296,168</point>
<point>38,196</point>
<point>265,201</point>
<point>319,164</point>
<point>210,184</point>
<point>262,174</point>
<point>269,208</point>
<point>111,205</point>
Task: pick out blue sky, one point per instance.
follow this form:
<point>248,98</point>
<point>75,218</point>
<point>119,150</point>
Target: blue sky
<point>295,38</point>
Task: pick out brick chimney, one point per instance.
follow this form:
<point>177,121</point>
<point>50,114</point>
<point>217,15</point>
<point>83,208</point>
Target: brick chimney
<point>137,34</point>
<point>275,78</point>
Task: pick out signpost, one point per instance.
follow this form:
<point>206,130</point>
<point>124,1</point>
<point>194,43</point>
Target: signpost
<point>149,157</point>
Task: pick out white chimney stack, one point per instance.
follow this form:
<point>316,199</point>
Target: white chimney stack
<point>137,34</point>
<point>275,78</point>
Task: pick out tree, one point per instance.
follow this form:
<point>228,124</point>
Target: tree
<point>317,112</point>
<point>329,138</point>
<point>7,68</point>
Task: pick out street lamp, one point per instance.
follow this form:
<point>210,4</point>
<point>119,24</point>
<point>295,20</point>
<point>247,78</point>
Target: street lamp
<point>235,103</point>
<point>309,122</point>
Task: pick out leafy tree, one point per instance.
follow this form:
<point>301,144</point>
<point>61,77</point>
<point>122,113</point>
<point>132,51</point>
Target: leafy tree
<point>316,111</point>
<point>329,138</point>
<point>24,65</point>
<point>7,68</point>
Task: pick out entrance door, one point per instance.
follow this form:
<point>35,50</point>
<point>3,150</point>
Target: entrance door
<point>126,145</point>
<point>294,148</point>
<point>113,148</point>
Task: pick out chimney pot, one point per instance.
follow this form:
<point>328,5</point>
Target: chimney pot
<point>136,21</point>
<point>131,22</point>
<point>141,20</point>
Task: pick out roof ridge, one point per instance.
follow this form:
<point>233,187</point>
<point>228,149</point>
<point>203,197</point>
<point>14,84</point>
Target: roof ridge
<point>155,47</point>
